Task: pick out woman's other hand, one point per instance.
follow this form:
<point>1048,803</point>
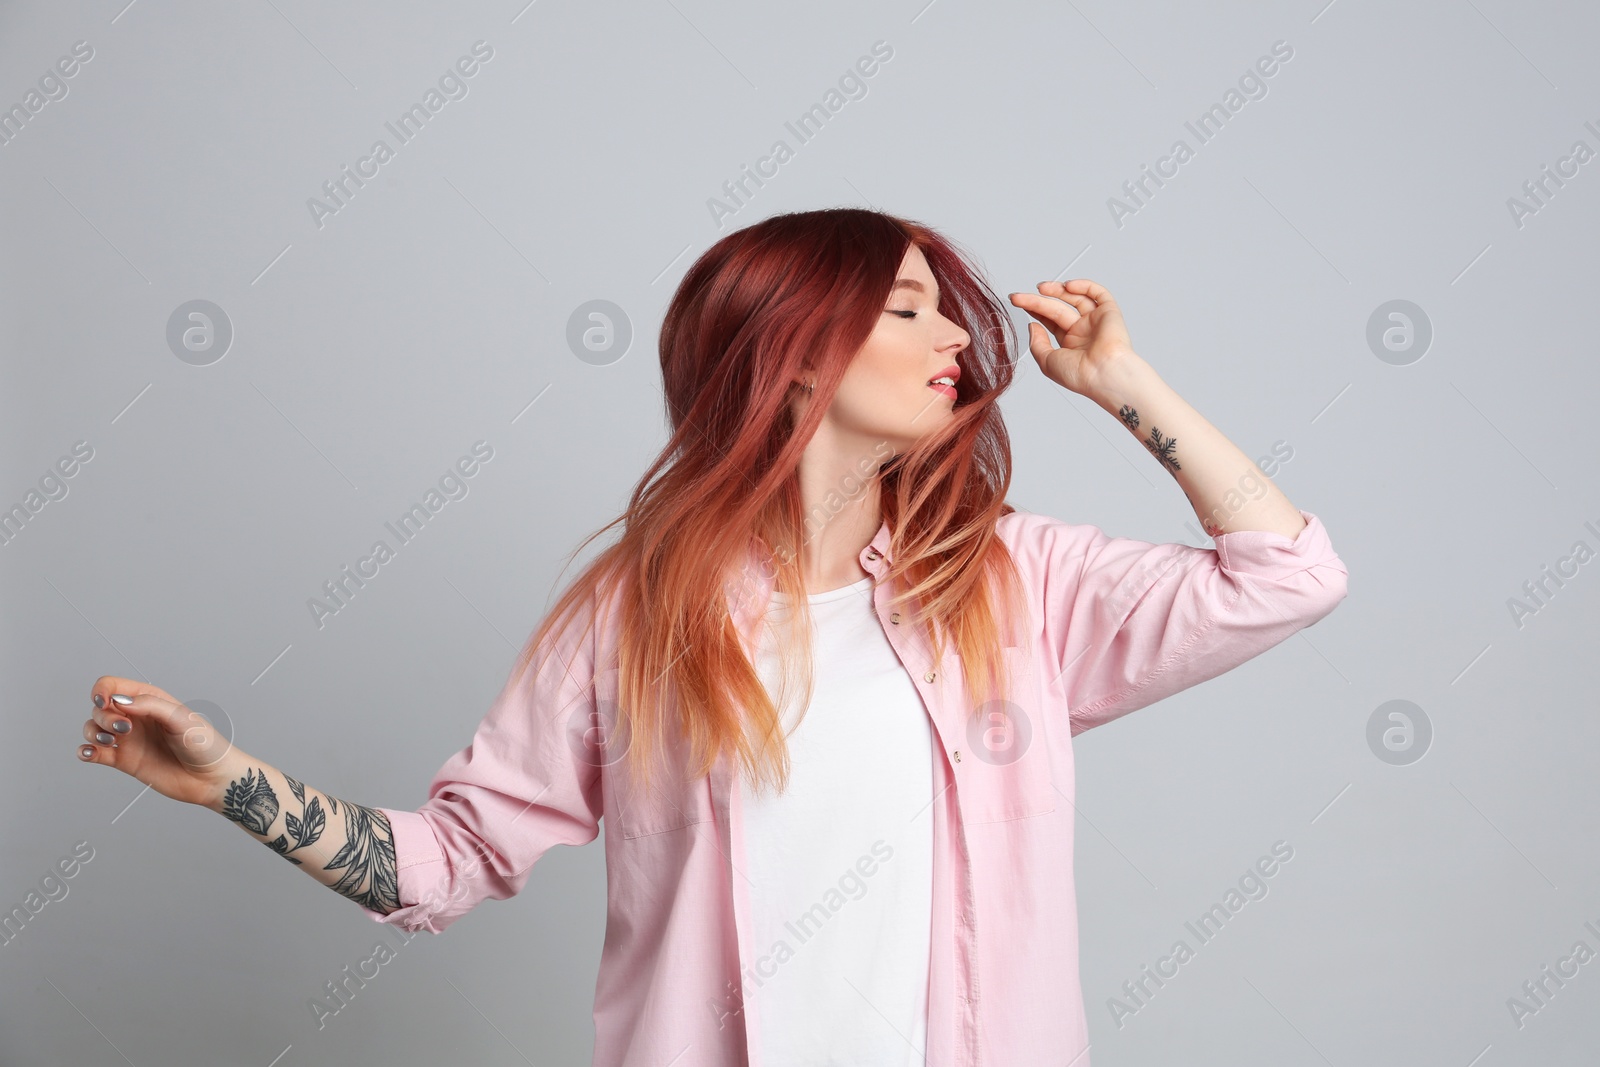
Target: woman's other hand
<point>142,731</point>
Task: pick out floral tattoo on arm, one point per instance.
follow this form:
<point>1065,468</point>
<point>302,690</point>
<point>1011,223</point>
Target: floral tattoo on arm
<point>367,854</point>
<point>1161,447</point>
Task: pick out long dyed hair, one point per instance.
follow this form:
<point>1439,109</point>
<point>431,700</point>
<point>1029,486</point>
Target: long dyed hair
<point>796,293</point>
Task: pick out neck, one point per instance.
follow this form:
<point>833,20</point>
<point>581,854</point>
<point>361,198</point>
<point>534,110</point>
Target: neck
<point>842,514</point>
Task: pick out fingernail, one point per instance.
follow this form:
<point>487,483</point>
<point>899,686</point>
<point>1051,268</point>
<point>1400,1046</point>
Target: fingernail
<point>86,752</point>
<point>104,738</point>
<point>120,699</point>
<point>122,726</point>
<point>99,701</point>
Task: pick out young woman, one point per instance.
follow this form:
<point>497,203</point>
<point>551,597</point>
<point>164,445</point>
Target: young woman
<point>822,690</point>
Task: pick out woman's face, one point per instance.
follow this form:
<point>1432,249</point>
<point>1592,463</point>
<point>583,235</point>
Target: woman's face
<point>885,395</point>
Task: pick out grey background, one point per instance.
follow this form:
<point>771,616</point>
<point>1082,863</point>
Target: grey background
<point>370,353</point>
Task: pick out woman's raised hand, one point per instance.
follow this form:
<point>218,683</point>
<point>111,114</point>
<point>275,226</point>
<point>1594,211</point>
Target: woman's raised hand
<point>1083,319</point>
<point>143,732</point>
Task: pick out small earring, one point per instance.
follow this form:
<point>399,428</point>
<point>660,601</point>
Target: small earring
<point>809,388</point>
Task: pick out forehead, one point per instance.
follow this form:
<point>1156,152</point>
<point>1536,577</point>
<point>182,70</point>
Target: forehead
<point>915,274</point>
<point>915,264</point>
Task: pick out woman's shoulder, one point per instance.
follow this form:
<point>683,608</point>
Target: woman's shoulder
<point>1029,529</point>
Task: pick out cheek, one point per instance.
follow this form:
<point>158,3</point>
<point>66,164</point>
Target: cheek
<point>889,362</point>
<point>881,391</point>
<point>861,402</point>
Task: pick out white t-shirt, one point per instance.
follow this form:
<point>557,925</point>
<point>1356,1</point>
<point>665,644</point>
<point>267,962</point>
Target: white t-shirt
<point>841,864</point>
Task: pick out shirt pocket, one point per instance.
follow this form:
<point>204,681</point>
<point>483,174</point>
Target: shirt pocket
<point>1004,771</point>
<point>672,801</point>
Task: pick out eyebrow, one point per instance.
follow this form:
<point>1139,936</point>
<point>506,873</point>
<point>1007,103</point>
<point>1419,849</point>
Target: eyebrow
<point>907,283</point>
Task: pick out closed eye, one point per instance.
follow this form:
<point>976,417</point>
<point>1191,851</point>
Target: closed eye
<point>904,314</point>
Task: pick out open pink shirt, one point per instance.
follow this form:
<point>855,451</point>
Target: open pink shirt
<point>1118,624</point>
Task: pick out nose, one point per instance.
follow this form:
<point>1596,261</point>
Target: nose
<point>957,337</point>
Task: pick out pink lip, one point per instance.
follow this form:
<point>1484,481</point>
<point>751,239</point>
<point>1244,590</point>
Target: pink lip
<point>952,372</point>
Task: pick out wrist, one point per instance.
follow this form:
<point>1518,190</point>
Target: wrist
<point>1127,379</point>
<point>229,768</point>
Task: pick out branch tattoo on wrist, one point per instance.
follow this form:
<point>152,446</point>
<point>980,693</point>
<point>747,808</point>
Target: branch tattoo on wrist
<point>1160,447</point>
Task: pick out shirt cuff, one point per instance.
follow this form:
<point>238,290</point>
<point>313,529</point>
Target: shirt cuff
<point>1271,555</point>
<point>419,869</point>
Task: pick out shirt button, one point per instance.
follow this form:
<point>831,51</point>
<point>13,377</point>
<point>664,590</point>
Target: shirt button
<point>872,553</point>
<point>895,618</point>
<point>929,676</point>
<point>958,755</point>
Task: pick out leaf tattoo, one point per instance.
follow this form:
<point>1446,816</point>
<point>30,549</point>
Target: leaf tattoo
<point>368,852</point>
<point>370,878</point>
<point>251,803</point>
<point>300,793</point>
<point>1161,448</point>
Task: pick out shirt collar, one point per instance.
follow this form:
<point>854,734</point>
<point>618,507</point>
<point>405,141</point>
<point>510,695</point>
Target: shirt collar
<point>749,590</point>
<point>875,557</point>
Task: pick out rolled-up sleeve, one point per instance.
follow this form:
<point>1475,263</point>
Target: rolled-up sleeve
<point>1128,622</point>
<point>522,785</point>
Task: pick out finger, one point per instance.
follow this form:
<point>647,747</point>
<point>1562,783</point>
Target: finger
<point>158,711</point>
<point>112,720</point>
<point>93,732</point>
<point>1039,342</point>
<point>1055,315</point>
<point>1094,290</point>
<point>108,684</point>
<point>94,752</point>
<point>1080,302</point>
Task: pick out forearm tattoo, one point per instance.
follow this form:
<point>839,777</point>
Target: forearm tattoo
<point>1160,447</point>
<point>367,855</point>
